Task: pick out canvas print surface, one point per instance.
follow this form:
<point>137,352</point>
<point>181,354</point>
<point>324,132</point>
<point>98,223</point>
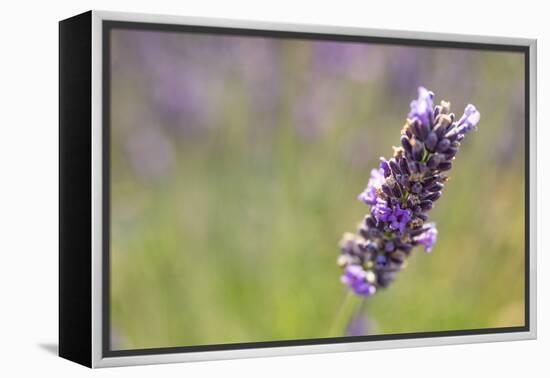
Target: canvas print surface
<point>249,201</point>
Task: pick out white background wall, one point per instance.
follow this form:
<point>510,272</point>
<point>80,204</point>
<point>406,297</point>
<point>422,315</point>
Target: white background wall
<point>28,185</point>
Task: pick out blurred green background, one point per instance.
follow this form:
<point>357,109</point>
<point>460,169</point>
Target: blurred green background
<point>236,162</point>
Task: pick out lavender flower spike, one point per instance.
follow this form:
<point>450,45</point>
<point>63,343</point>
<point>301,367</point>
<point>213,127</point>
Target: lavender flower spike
<point>400,194</point>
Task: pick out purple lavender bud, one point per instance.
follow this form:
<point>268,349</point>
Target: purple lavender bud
<point>364,232</point>
<point>398,257</point>
<point>375,232</point>
<point>404,247</point>
<point>431,141</point>
<point>403,180</point>
<point>450,153</point>
<point>357,279</point>
<point>434,187</point>
<point>370,222</point>
<point>423,130</point>
<point>428,238</point>
<point>417,150</point>
<point>426,205</point>
<point>394,201</point>
<point>385,167</point>
<point>394,167</point>
<point>413,167</point>
<point>389,246</point>
<point>453,135</point>
<point>368,196</point>
<point>417,231</point>
<point>443,145</point>
<point>422,216</point>
<point>433,161</point>
<point>371,247</point>
<point>416,187</point>
<point>420,130</point>
<point>381,211</point>
<point>440,130</point>
<point>404,166</point>
<point>396,190</point>
<point>381,261</point>
<point>433,196</point>
<point>445,166</point>
<point>350,244</point>
<point>469,119</point>
<point>385,278</point>
<point>431,179</point>
<point>422,107</point>
<point>415,128</point>
<point>422,168</point>
<point>386,189</point>
<point>406,144</point>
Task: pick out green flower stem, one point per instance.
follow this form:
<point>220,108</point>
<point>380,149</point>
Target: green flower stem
<point>347,309</point>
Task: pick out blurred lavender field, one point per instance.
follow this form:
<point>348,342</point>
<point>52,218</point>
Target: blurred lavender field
<point>236,163</point>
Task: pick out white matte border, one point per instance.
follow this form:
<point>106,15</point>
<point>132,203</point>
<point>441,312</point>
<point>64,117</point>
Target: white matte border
<point>99,361</point>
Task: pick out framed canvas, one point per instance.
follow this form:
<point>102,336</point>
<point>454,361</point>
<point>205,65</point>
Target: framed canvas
<point>238,188</point>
